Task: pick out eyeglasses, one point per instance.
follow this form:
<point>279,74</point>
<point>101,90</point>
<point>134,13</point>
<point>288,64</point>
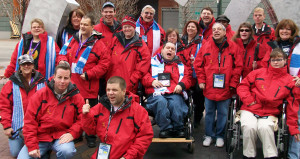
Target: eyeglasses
<point>149,13</point>
<point>276,60</point>
<point>36,27</point>
<point>244,30</point>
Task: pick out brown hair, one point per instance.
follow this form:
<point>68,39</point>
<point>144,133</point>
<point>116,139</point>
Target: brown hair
<point>237,33</point>
<point>39,21</point>
<point>207,8</point>
<point>277,52</point>
<point>191,21</point>
<point>119,80</point>
<point>78,12</point>
<point>284,23</point>
<point>169,31</point>
<point>65,66</point>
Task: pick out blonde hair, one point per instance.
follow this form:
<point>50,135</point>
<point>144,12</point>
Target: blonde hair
<point>259,9</point>
<point>39,21</point>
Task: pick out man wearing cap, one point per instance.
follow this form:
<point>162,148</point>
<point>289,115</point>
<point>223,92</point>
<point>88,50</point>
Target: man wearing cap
<point>151,32</point>
<point>225,21</point>
<point>206,22</point>
<point>89,59</point>
<point>14,101</point>
<point>130,57</point>
<point>52,119</point>
<point>108,23</point>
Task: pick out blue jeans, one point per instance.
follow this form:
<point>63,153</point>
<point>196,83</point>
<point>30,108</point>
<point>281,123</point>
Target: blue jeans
<point>294,146</point>
<point>63,151</point>
<point>15,146</point>
<point>210,112</point>
<point>169,110</point>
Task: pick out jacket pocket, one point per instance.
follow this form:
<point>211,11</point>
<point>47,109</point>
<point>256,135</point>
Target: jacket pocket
<point>62,116</point>
<point>119,126</point>
<point>277,91</point>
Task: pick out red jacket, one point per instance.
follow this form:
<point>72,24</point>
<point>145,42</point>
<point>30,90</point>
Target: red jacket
<point>107,33</point>
<point>229,32</point>
<point>268,87</point>
<point>149,33</point>
<point>131,63</point>
<point>172,68</point>
<point>130,132</point>
<point>268,34</point>
<point>206,32</point>
<point>48,118</point>
<point>95,67</point>
<point>253,51</point>
<point>206,65</point>
<point>6,97</point>
<point>42,54</point>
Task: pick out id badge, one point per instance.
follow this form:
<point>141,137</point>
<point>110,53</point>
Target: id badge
<point>165,79</point>
<point>103,151</point>
<point>219,81</point>
<point>144,37</point>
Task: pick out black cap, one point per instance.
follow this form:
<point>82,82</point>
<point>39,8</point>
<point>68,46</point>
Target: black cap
<point>108,4</point>
<point>222,17</point>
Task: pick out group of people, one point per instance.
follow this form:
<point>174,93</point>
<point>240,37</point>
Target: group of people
<point>87,81</point>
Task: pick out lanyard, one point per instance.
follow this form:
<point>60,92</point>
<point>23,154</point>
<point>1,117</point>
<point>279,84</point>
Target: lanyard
<point>219,60</point>
<point>109,120</point>
<point>30,52</point>
<point>145,31</point>
<point>80,45</point>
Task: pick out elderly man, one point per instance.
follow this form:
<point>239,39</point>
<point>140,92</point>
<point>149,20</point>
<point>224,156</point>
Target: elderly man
<point>122,125</point>
<point>223,19</point>
<point>218,68</point>
<point>130,58</point>
<point>206,22</point>
<point>89,59</point>
<point>263,33</point>
<point>164,85</point>
<point>151,32</point>
<point>52,119</point>
<point>108,24</point>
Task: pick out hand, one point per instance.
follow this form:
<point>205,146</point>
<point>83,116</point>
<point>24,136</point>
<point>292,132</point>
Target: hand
<point>83,76</point>
<point>2,77</point>
<point>254,65</point>
<point>177,89</point>
<point>202,85</point>
<point>297,137</point>
<point>297,79</point>
<point>86,107</point>
<point>157,84</point>
<point>35,153</point>
<point>8,132</point>
<point>252,103</point>
<point>65,138</point>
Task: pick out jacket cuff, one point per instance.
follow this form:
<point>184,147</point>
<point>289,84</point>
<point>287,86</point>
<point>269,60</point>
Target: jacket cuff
<point>182,85</point>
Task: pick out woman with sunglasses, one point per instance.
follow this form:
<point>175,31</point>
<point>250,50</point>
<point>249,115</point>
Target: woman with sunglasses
<point>193,42</point>
<point>253,52</point>
<point>14,101</point>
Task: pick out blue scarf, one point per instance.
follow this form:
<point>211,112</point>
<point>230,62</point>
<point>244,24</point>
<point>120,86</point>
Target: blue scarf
<point>63,50</point>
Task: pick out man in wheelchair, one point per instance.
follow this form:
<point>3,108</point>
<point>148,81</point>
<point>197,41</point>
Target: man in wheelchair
<point>165,86</point>
<point>262,93</point>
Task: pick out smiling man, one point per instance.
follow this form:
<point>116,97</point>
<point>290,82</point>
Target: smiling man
<point>151,32</point>
<point>52,119</point>
<point>108,25</point>
<point>165,85</point>
<point>206,22</point>
<point>122,125</point>
<point>130,58</point>
<point>218,67</point>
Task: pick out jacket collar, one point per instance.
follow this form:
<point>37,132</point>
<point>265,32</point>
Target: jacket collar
<point>196,40</point>
<point>267,29</point>
<point>223,45</point>
<point>277,72</point>
<point>95,36</point>
<point>136,40</point>
<point>37,78</point>
<point>146,24</point>
<point>201,23</point>
<point>116,25</point>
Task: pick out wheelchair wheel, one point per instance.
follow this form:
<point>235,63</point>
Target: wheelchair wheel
<point>229,131</point>
<point>191,146</point>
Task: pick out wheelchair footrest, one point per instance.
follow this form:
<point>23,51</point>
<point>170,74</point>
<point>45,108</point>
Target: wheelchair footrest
<point>174,140</point>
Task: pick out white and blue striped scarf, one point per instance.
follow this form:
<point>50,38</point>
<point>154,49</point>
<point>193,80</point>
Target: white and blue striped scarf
<point>295,61</point>
<point>63,50</point>
<point>197,50</point>
<point>18,112</point>
<point>50,56</point>
<point>158,67</point>
<point>64,37</point>
<point>156,34</point>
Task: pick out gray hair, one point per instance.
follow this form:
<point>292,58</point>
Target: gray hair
<point>148,6</point>
<point>223,27</point>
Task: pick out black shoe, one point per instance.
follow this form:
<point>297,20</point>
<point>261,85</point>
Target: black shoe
<point>91,144</point>
<point>78,140</point>
<point>91,140</point>
<point>165,133</point>
<point>180,133</point>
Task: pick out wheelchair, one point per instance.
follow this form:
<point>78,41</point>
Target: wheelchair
<point>188,121</point>
<point>233,132</point>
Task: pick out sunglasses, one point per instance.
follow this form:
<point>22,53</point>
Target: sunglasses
<point>244,30</point>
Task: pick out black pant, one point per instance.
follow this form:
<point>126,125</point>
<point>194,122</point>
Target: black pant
<point>92,102</point>
<point>198,99</point>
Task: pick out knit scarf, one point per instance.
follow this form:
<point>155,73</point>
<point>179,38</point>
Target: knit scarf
<point>156,34</point>
<point>295,61</point>
<point>50,56</point>
<point>63,50</point>
<point>64,37</point>
<point>157,67</point>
